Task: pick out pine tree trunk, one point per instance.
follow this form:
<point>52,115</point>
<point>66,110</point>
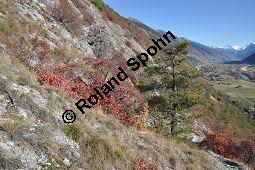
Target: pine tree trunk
<point>174,83</point>
<point>174,122</point>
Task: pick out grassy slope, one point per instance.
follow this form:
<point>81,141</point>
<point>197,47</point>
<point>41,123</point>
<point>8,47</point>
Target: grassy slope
<point>235,120</point>
<point>244,94</point>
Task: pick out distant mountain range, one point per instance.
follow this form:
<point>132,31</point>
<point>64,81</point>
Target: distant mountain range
<point>248,60</point>
<point>240,52</point>
<point>202,54</point>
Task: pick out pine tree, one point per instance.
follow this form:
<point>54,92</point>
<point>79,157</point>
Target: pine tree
<point>171,79</point>
<point>173,58</point>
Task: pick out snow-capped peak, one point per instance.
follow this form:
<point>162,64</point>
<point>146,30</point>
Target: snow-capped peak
<point>237,47</point>
<point>179,36</point>
<point>233,47</point>
<point>213,46</point>
<point>251,44</point>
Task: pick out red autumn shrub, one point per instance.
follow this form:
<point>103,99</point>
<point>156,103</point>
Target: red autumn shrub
<point>231,146</point>
<point>105,16</point>
<point>44,50</point>
<point>247,154</point>
<point>19,48</point>
<point>112,106</point>
<point>142,164</point>
<point>126,94</point>
<point>122,102</point>
<point>222,143</point>
<point>77,90</point>
<point>50,79</point>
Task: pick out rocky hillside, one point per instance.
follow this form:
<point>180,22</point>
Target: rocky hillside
<point>204,54</point>
<point>52,53</point>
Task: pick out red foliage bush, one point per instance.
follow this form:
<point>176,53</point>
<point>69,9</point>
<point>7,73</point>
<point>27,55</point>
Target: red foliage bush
<point>76,90</point>
<point>142,164</point>
<point>231,146</point>
<point>222,143</point>
<point>50,79</point>
<point>19,48</point>
<point>44,49</point>
<point>105,16</point>
<point>122,102</point>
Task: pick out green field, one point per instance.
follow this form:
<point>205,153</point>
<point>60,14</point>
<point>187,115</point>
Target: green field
<point>244,94</point>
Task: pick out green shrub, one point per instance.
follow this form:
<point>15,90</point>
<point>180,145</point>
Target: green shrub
<point>74,132</point>
<point>50,165</point>
<point>8,6</point>
<point>99,4</point>
<point>1,153</point>
<point>61,52</point>
<point>9,25</point>
<point>16,125</point>
<point>2,6</point>
<point>113,16</point>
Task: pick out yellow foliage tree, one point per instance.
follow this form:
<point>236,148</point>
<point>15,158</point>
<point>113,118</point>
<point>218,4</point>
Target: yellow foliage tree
<point>142,119</point>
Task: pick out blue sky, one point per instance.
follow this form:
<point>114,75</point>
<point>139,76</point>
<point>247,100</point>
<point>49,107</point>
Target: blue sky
<point>211,22</point>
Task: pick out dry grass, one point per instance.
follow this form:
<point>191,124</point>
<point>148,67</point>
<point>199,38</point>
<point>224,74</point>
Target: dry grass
<point>7,6</point>
<point>101,146</point>
<point>10,26</point>
<point>17,124</point>
<point>61,53</point>
<point>25,76</point>
<point>99,152</point>
<point>12,163</point>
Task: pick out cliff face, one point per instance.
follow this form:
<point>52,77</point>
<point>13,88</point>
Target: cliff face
<point>43,48</point>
